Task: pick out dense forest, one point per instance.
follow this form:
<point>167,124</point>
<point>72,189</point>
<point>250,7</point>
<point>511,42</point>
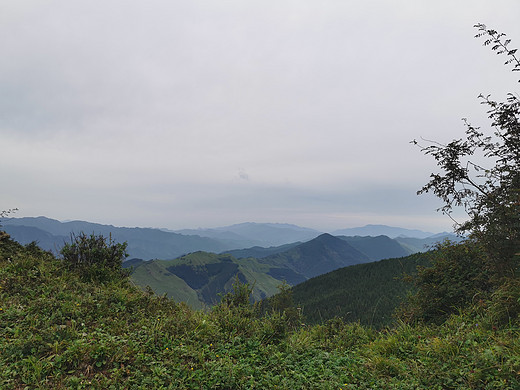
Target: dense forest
<point>369,293</point>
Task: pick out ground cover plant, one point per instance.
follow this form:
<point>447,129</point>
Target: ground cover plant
<point>59,330</point>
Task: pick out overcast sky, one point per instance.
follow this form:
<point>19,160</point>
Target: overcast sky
<point>184,114</point>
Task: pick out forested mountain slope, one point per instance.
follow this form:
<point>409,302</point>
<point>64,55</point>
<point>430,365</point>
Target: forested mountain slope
<point>198,278</point>
<point>323,254</point>
<point>377,248</point>
<point>368,292</point>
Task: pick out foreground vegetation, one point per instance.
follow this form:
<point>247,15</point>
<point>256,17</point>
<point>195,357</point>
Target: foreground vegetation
<point>60,328</point>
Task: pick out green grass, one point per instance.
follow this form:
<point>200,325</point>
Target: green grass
<point>59,332</point>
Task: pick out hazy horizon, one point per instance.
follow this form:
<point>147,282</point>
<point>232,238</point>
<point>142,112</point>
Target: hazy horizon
<point>14,216</point>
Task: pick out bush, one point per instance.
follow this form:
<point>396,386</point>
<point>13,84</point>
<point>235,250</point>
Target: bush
<point>95,258</point>
<point>504,305</point>
<point>459,275</point>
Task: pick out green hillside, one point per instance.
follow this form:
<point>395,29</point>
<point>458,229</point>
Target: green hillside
<point>153,273</point>
<point>199,278</point>
<point>59,331</point>
<point>368,293</point>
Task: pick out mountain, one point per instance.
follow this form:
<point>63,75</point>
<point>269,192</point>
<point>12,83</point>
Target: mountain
<point>261,252</point>
<point>144,243</point>
<point>378,230</point>
<point>27,234</point>
<point>318,256</point>
<point>149,243</point>
<point>258,234</point>
<point>368,292</point>
<point>415,245</point>
<point>377,248</point>
<point>262,240</point>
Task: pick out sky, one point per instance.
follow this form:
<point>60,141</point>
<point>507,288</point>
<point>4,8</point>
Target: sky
<point>191,113</point>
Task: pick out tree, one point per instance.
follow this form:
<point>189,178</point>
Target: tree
<point>489,191</point>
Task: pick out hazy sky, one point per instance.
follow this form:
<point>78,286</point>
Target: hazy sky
<point>184,114</point>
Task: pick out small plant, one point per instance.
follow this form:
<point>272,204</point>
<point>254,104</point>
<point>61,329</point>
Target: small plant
<point>94,257</point>
<point>240,296</point>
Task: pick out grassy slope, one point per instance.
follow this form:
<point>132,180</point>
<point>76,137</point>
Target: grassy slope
<point>164,282</point>
<point>159,275</point>
<point>57,332</point>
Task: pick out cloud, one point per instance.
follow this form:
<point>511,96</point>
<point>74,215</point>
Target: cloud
<point>243,175</point>
<point>111,107</point>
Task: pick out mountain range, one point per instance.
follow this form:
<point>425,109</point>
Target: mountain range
<point>261,234</point>
<point>198,278</point>
<point>382,230</point>
<point>197,269</point>
<point>151,243</point>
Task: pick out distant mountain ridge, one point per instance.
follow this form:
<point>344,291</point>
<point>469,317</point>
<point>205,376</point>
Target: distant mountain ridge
<point>150,243</point>
<point>145,243</point>
<point>382,230</point>
<point>259,234</point>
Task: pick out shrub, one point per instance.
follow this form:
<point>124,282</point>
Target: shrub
<point>95,258</point>
<point>459,275</point>
<point>504,305</point>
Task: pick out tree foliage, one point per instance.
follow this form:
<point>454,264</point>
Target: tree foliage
<point>481,172</point>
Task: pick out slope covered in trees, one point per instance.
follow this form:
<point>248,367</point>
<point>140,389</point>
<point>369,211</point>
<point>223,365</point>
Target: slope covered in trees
<point>481,173</point>
<point>369,293</point>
